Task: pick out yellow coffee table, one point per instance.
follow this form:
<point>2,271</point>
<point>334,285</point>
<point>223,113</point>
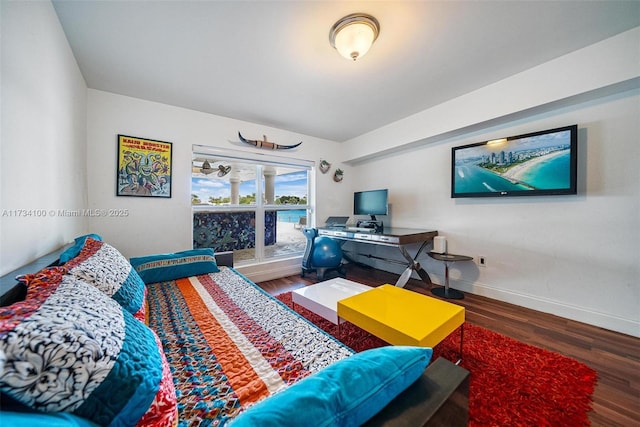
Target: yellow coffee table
<point>402,317</point>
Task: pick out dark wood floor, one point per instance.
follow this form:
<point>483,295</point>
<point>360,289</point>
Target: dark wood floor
<point>616,357</point>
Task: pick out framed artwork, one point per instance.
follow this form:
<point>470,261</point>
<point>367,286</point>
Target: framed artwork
<point>144,167</point>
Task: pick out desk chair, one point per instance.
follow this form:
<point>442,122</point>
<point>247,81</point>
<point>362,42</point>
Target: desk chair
<point>322,254</point>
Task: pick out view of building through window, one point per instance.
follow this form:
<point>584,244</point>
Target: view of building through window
<point>256,209</point>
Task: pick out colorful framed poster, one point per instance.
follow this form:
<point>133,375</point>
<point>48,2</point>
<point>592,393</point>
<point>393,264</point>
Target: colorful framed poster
<point>144,167</point>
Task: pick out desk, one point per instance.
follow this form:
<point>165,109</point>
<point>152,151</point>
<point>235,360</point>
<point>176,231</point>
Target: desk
<point>394,237</point>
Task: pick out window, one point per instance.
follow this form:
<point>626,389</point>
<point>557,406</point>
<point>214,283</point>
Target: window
<point>253,205</point>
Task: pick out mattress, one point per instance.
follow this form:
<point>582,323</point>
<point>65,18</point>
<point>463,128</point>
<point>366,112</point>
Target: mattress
<point>230,344</point>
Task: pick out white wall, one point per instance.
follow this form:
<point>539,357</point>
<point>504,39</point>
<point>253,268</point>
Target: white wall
<point>164,225</point>
<point>43,163</point>
<point>574,256</point>
<point>544,253</point>
<point>571,77</point>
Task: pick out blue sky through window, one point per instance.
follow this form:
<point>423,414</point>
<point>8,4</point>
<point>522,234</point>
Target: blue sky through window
<point>290,184</point>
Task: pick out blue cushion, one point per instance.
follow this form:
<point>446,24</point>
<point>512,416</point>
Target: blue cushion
<point>36,419</point>
<point>162,267</point>
<point>347,393</point>
<point>74,250</point>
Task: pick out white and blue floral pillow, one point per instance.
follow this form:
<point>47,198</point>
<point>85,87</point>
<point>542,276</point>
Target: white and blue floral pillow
<point>103,266</point>
<point>69,348</point>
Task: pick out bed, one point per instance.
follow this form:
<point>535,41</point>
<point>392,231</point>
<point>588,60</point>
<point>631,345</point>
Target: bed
<point>216,350</point>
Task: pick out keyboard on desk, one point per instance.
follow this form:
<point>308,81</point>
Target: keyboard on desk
<point>361,229</point>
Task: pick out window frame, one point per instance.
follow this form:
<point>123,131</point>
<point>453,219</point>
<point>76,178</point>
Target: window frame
<point>261,161</point>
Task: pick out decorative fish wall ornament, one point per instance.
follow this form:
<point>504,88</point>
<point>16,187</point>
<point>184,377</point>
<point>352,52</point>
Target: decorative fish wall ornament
<point>266,144</point>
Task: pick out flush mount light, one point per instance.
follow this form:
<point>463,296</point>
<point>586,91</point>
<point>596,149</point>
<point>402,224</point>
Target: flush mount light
<point>353,35</point>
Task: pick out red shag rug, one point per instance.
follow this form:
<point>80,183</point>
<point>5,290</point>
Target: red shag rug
<point>511,383</point>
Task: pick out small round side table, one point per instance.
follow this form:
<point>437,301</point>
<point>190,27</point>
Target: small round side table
<point>448,259</point>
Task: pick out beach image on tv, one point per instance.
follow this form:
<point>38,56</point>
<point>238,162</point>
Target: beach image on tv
<point>540,162</point>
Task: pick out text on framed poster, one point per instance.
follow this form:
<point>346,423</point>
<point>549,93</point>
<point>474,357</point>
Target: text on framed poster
<point>144,167</point>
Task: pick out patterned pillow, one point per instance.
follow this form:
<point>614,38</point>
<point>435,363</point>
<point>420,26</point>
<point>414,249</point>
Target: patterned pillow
<point>102,266</point>
<point>163,267</point>
<point>69,348</point>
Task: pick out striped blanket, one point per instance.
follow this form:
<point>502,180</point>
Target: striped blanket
<point>230,344</point>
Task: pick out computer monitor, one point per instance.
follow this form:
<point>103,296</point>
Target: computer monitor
<point>372,203</point>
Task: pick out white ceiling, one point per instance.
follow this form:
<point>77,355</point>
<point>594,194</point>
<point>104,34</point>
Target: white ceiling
<point>271,63</point>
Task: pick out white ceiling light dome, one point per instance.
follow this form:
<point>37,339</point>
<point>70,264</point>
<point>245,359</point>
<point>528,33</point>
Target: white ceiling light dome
<point>353,35</point>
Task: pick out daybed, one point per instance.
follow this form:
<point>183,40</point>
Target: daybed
<point>184,339</point>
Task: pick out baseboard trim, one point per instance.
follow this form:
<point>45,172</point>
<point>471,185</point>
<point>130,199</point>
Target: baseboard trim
<point>566,311</point>
<point>292,266</point>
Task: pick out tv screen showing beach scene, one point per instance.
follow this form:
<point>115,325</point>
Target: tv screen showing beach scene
<point>535,164</point>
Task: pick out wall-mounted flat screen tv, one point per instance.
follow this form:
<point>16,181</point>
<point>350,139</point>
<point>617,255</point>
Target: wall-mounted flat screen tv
<point>534,164</point>
<point>371,202</point>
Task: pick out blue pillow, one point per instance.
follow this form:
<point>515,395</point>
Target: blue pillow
<point>37,419</point>
<point>347,393</point>
<point>162,267</point>
<point>74,250</point>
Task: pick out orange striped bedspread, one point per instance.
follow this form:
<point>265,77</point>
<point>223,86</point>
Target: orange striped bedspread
<point>230,344</point>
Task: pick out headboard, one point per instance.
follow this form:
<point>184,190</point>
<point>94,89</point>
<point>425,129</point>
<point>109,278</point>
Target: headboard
<point>11,290</point>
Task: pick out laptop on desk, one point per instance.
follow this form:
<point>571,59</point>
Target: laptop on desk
<point>336,222</point>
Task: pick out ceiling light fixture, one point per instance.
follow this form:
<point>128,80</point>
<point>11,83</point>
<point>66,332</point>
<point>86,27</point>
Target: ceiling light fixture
<point>206,168</point>
<point>353,35</point>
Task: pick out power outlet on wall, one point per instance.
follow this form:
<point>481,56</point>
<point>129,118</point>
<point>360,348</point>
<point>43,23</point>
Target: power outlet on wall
<point>481,261</point>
